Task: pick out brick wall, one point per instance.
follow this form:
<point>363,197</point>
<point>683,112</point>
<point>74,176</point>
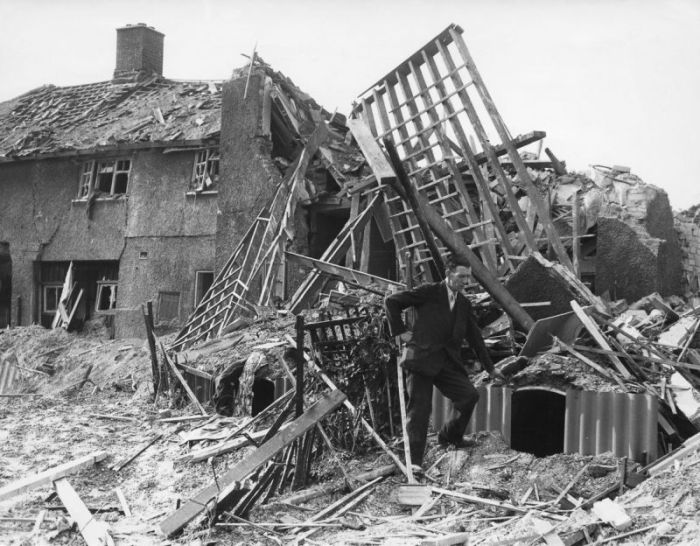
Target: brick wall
<point>139,49</point>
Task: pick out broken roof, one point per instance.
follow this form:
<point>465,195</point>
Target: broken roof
<point>155,111</point>
<point>54,119</point>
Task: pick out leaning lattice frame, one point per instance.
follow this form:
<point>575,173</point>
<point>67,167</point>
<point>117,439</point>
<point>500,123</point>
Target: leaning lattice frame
<point>248,276</point>
<point>441,118</point>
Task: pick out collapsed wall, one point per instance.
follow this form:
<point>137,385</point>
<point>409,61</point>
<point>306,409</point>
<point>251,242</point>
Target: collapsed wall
<point>636,251</point>
<point>687,224</point>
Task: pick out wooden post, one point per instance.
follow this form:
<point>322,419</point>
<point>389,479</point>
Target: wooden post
<point>456,244</point>
<point>399,380</point>
<point>18,321</point>
<point>300,366</point>
<point>155,369</point>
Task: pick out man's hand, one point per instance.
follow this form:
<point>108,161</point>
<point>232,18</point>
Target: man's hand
<point>405,337</point>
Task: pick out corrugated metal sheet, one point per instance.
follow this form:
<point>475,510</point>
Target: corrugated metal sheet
<point>492,412</point>
<point>8,373</point>
<point>282,385</point>
<point>595,422</point>
<point>623,423</point>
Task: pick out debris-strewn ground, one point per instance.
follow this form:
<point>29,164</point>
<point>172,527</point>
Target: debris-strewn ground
<point>116,413</point>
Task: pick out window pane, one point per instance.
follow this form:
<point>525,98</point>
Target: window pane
<point>104,182</point>
<point>51,297</point>
<point>120,182</point>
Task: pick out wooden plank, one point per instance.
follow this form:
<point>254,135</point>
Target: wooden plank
<point>122,501</point>
<point>689,447</point>
<point>334,486</point>
<point>343,501</point>
<point>182,381</point>
<point>599,337</point>
<point>447,540</point>
<point>227,484</point>
<point>73,311</point>
<point>589,362</point>
<point>374,155</point>
<point>94,532</point>
<point>50,475</point>
<point>143,447</point>
<point>480,500</point>
<point>225,446</point>
<point>351,276</point>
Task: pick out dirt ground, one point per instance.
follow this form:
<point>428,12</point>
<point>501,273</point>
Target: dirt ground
<point>116,413</point>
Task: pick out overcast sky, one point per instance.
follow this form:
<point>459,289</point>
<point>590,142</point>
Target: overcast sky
<point>610,81</point>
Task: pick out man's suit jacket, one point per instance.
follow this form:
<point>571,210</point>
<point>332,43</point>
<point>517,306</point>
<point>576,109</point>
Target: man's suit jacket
<point>438,331</point>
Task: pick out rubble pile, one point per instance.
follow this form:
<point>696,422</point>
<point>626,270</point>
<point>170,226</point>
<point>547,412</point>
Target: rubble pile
<point>277,420</point>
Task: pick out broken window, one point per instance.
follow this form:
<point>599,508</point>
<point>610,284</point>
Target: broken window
<point>52,295</point>
<point>109,177</point>
<point>106,296</point>
<point>168,306</point>
<point>202,281</point>
<point>206,170</point>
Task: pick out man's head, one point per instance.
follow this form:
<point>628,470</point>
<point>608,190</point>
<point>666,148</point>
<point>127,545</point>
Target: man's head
<point>458,276</point>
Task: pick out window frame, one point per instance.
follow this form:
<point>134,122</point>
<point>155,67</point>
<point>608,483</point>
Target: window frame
<point>207,162</point>
<point>90,171</point>
<point>100,286</point>
<point>44,299</point>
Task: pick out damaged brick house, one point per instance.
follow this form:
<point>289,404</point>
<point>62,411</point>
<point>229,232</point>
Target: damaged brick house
<point>146,184</point>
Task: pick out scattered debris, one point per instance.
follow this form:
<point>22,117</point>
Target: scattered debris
<point>301,403</point>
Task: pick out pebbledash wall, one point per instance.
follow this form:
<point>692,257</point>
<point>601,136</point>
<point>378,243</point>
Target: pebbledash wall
<point>160,234</point>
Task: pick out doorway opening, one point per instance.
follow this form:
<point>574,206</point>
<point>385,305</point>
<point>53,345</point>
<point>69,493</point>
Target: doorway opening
<point>537,421</point>
<point>263,395</point>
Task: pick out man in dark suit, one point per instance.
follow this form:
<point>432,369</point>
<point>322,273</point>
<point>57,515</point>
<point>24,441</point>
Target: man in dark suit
<point>432,354</point>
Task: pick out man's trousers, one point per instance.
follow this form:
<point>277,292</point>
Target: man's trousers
<point>452,381</point>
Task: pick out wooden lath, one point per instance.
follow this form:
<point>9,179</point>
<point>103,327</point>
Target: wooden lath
<point>247,280</point>
<point>438,113</point>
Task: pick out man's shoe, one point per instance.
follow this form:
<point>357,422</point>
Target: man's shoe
<point>460,443</point>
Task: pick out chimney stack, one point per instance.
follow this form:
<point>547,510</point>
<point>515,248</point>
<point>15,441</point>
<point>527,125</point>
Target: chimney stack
<point>139,52</point>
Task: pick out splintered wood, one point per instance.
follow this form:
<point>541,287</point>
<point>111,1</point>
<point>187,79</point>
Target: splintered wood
<point>229,483</point>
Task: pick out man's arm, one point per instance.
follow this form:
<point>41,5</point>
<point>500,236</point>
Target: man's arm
<point>395,303</point>
<point>476,341</point>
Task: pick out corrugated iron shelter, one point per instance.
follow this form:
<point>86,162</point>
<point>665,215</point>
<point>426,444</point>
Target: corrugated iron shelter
<point>593,422</point>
